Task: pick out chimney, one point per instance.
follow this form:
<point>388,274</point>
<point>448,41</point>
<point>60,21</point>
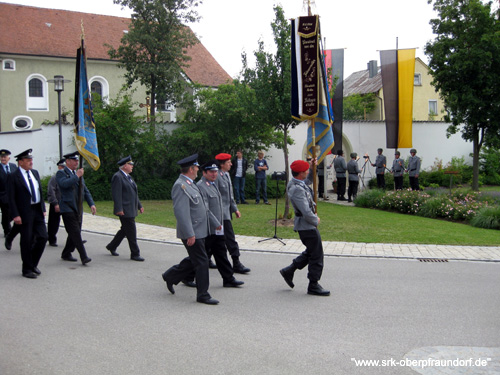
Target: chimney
<point>372,68</point>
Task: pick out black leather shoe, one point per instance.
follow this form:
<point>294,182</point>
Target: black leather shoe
<point>113,252</point>
<point>232,284</point>
<point>37,271</point>
<point>317,290</point>
<point>30,275</point>
<point>170,285</point>
<point>240,268</point>
<point>287,274</point>
<point>84,241</point>
<point>53,244</point>
<point>211,264</point>
<point>69,258</point>
<point>8,243</point>
<point>137,258</point>
<point>208,301</point>
<point>189,283</point>
<point>86,260</point>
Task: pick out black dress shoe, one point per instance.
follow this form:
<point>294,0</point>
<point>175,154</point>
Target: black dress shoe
<point>189,283</point>
<point>240,268</point>
<point>30,275</point>
<point>112,251</point>
<point>317,290</point>
<point>37,271</point>
<point>211,264</point>
<point>170,285</point>
<point>69,258</point>
<point>8,243</point>
<point>53,244</point>
<point>232,284</point>
<point>208,301</point>
<point>137,258</point>
<point>86,260</point>
<point>84,241</point>
<point>287,274</point>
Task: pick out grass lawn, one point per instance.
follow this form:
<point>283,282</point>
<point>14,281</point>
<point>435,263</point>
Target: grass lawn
<point>338,223</point>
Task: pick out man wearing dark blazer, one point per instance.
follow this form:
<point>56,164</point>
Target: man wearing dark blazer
<point>126,204</point>
<point>69,180</point>
<point>27,209</point>
<point>6,169</point>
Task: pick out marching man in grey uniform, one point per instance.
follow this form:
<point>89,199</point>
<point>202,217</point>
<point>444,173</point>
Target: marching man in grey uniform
<point>340,168</point>
<point>380,163</point>
<point>398,168</point>
<point>306,223</point>
<point>215,242</point>
<point>354,171</point>
<point>413,169</point>
<point>191,212</point>
<point>126,205</point>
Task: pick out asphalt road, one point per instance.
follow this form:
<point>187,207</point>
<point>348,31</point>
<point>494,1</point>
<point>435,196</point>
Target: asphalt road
<point>116,316</point>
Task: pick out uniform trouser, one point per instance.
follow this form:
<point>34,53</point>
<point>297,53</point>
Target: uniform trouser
<point>312,256</point>
<point>232,245</point>
<point>239,189</point>
<point>33,238</point>
<point>196,263</point>
<point>381,181</point>
<point>5,218</point>
<point>53,224</point>
<point>129,230</point>
<point>260,183</point>
<point>398,182</point>
<point>73,224</point>
<point>414,183</point>
<point>341,182</point>
<point>216,246</point>
<point>353,189</point>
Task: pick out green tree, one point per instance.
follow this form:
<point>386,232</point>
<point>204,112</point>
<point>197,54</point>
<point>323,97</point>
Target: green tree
<point>154,51</point>
<point>271,80</point>
<point>465,66</point>
<point>357,106</point>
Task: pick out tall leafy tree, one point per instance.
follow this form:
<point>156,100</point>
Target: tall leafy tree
<point>357,106</point>
<point>153,51</point>
<point>465,66</point>
<point>271,80</point>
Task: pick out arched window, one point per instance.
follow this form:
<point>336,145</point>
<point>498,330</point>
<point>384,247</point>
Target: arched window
<point>96,88</point>
<point>99,85</point>
<point>9,65</point>
<point>37,93</point>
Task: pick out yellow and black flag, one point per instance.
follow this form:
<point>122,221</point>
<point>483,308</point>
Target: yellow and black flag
<point>398,71</point>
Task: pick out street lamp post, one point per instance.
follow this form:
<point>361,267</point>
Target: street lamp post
<point>59,87</point>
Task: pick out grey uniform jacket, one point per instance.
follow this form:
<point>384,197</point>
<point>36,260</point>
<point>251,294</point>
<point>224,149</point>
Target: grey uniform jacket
<point>53,192</point>
<point>398,167</point>
<point>380,163</point>
<point>68,185</point>
<point>353,169</point>
<point>212,196</point>
<point>190,209</point>
<point>301,196</point>
<point>413,166</point>
<point>125,197</point>
<point>340,166</point>
<point>225,187</point>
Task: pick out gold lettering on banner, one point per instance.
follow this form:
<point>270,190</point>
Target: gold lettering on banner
<point>309,60</point>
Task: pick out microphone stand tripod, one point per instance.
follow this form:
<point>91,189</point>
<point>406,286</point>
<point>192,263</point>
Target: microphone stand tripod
<point>275,218</point>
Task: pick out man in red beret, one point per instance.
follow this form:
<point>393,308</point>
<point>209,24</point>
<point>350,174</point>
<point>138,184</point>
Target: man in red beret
<point>229,207</point>
<point>306,223</point>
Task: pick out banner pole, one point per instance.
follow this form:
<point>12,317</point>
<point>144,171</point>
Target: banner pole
<point>314,166</point>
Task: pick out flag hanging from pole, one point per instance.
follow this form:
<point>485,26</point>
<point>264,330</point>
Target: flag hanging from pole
<point>310,95</point>
<point>398,70</point>
<point>85,134</point>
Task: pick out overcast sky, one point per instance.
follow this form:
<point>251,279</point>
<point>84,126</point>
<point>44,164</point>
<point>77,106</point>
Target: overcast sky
<point>229,27</point>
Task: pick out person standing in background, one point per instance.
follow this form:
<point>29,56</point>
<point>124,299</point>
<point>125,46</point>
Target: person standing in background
<point>414,169</point>
<point>398,168</point>
<point>380,163</point>
<point>354,171</point>
<point>260,166</point>
<point>53,197</point>
<point>238,172</point>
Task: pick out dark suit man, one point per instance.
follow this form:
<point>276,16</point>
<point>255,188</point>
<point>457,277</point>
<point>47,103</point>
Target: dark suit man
<point>27,209</point>
<point>6,169</point>
<point>191,213</point>
<point>53,197</point>
<point>126,204</point>
<point>238,172</point>
<point>306,223</point>
<point>69,180</point>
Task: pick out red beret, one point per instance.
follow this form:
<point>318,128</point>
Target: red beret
<point>299,166</point>
<point>223,157</point>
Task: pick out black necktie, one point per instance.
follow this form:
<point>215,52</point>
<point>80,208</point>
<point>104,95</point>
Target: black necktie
<point>32,188</point>
<point>7,169</point>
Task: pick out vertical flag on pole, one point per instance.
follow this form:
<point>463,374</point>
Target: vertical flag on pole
<point>85,137</point>
<point>334,60</point>
<point>310,96</point>
<point>398,70</point>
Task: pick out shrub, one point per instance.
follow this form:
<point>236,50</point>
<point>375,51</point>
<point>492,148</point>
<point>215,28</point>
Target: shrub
<point>369,198</point>
<point>487,217</point>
